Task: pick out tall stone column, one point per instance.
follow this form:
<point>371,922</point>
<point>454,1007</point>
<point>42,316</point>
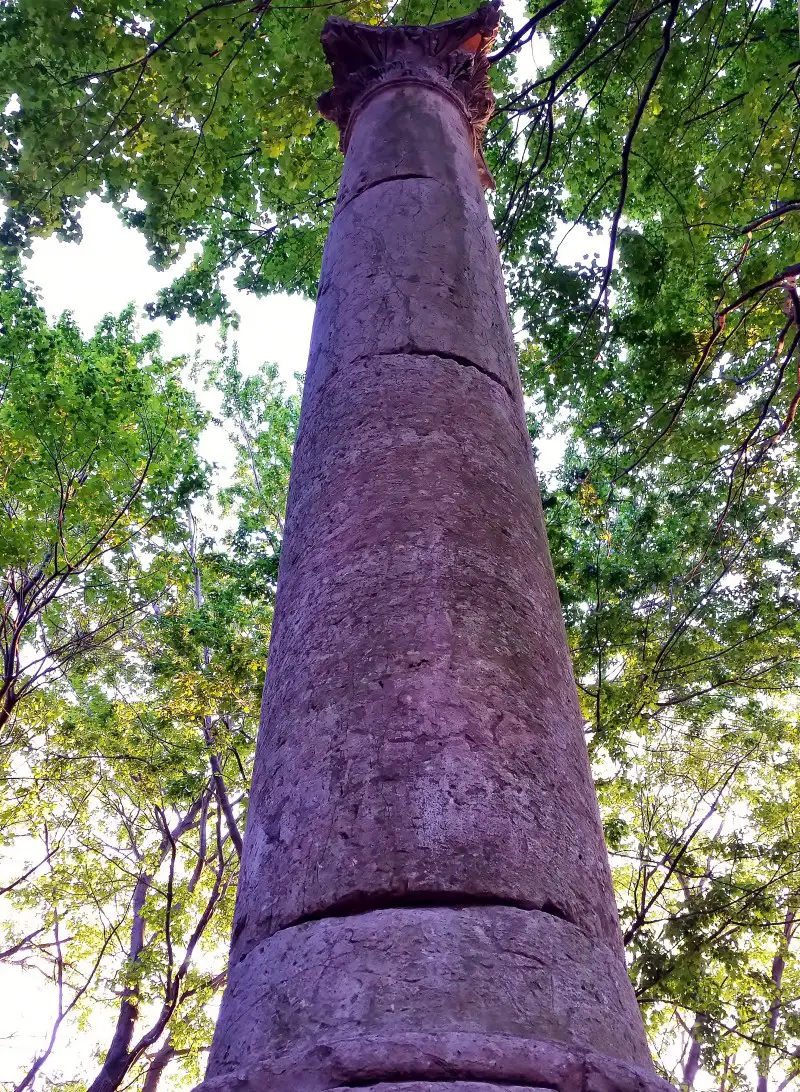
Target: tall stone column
<point>425,897</point>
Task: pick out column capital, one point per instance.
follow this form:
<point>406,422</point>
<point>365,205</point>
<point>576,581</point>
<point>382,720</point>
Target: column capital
<point>451,56</point>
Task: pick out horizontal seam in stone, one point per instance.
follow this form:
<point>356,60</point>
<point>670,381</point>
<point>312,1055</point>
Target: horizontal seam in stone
<point>454,358</point>
<point>491,1082</point>
<point>462,361</point>
<point>361,905</point>
<point>513,1061</point>
<point>354,907</point>
<point>383,182</point>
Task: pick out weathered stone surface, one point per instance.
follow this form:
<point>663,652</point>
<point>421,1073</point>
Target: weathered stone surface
<point>421,731</point>
<point>425,894</point>
<point>411,261</point>
<point>423,1058</point>
<point>464,971</point>
<point>428,143</point>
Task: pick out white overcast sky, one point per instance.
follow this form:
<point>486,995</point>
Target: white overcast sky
<point>110,269</point>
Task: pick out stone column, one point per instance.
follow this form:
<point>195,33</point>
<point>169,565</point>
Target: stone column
<point>425,892</point>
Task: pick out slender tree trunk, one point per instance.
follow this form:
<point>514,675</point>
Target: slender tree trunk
<point>723,1084</point>
<point>220,787</point>
<point>692,1064</point>
<point>7,704</point>
<point>117,1060</point>
<point>776,977</point>
<point>158,1064</point>
<point>425,891</point>
<point>115,1064</point>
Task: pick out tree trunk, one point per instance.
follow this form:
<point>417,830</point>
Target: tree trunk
<point>692,1065</point>
<point>723,1084</point>
<point>118,1057</point>
<point>158,1064</point>
<point>115,1065</point>
<point>218,777</point>
<point>220,788</point>
<point>776,977</point>
<point>425,892</point>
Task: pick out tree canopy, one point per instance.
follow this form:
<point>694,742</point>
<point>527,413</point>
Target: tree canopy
<point>661,134</point>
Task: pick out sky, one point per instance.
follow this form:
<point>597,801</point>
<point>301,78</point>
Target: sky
<point>110,269</point>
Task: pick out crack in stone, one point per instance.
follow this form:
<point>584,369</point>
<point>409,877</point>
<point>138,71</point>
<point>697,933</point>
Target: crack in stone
<point>463,361</point>
<point>383,182</point>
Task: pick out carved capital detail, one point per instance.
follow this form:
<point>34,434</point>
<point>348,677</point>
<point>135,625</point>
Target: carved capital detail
<point>451,56</point>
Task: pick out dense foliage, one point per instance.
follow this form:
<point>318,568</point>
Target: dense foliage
<point>661,133</point>
<point>134,649</point>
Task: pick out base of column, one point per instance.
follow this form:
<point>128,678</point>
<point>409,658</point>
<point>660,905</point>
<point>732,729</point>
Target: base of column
<point>452,1086</point>
<point>401,998</point>
<point>428,1063</point>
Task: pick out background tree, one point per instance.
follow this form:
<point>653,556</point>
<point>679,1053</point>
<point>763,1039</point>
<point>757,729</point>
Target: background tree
<point>98,454</point>
<point>127,766</point>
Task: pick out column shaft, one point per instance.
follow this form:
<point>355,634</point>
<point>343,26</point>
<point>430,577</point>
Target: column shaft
<point>425,888</point>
